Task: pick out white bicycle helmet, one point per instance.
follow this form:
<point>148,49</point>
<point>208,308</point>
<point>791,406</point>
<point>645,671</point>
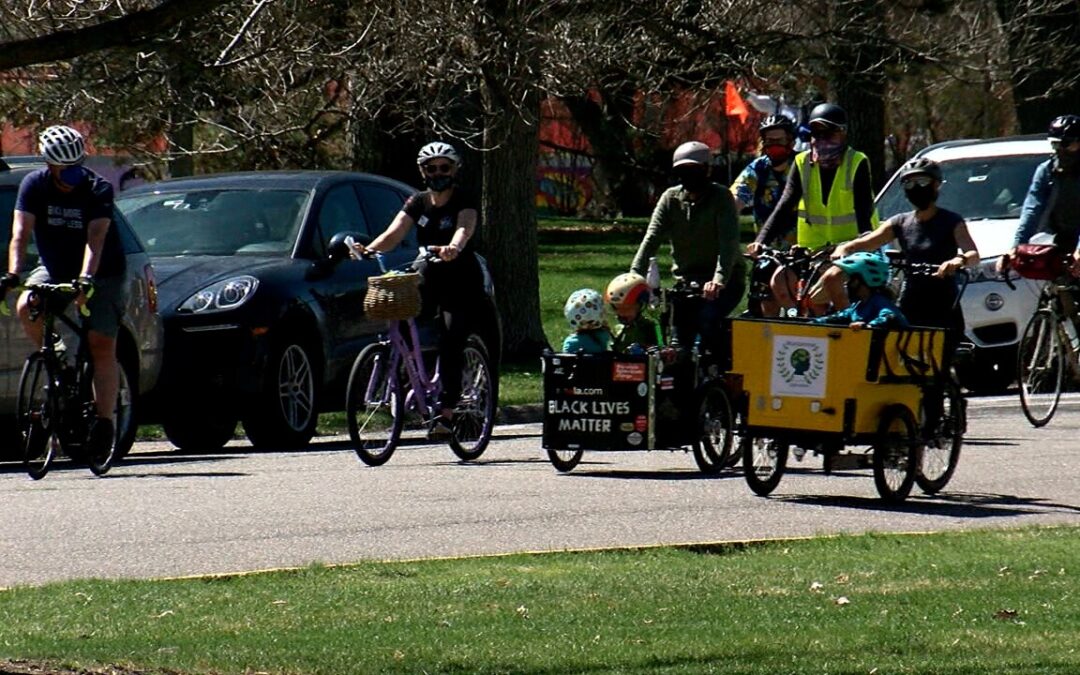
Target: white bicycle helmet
<point>435,150</point>
<point>584,309</point>
<point>627,290</point>
<point>62,145</point>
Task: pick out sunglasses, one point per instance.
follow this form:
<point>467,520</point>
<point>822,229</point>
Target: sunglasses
<point>921,181</point>
<point>438,168</point>
<point>824,132</point>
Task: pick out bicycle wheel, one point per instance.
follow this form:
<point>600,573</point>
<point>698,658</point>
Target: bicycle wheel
<point>896,454</point>
<point>942,450</point>
<point>764,461</point>
<point>38,415</point>
<point>564,460</point>
<point>713,448</point>
<point>474,416</point>
<point>1041,367</point>
<point>374,405</point>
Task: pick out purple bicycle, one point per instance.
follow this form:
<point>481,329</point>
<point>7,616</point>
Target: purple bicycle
<point>392,391</point>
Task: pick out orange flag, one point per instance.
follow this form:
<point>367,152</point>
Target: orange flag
<point>734,106</point>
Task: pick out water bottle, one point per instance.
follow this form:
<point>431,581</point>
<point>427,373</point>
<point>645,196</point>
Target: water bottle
<point>653,276</point>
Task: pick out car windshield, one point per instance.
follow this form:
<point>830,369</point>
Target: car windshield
<point>986,187</point>
<point>216,221</point>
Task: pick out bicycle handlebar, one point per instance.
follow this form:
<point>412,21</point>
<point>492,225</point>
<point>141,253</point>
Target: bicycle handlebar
<point>68,288</point>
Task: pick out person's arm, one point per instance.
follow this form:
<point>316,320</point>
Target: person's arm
<point>96,231</point>
<point>388,240</point>
<point>466,226</point>
<point>868,241</point>
<point>744,186</point>
<point>22,224</point>
<point>782,219</point>
<point>888,317</point>
<point>654,236</point>
<point>968,255</point>
<point>841,318</point>
<point>864,197</point>
<point>1031,214</point>
<point>728,222</point>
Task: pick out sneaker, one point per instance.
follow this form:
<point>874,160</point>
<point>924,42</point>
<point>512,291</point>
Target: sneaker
<point>101,439</point>
<point>440,429</point>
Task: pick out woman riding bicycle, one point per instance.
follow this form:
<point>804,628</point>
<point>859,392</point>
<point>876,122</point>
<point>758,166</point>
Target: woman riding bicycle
<point>445,216</point>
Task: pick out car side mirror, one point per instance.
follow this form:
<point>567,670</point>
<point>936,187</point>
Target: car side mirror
<point>337,250</point>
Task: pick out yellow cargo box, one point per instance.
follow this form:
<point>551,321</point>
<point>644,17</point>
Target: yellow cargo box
<point>799,376</point>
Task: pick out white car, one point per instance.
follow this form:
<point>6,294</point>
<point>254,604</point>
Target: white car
<point>985,181</point>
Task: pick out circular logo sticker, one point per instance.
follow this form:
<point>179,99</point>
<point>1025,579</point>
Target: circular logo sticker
<point>634,438</point>
<point>642,389</point>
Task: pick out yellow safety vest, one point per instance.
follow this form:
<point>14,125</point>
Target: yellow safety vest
<point>821,224</point>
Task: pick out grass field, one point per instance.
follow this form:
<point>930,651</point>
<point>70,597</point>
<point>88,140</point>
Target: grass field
<point>959,603</point>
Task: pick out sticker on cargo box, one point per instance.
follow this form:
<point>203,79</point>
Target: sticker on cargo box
<point>627,372</point>
<point>799,366</point>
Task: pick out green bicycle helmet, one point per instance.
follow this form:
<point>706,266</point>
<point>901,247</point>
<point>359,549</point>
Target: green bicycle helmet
<point>871,267</point>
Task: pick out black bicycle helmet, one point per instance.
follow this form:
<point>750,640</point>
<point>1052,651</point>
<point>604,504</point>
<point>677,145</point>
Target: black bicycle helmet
<point>830,114</point>
<point>922,165</point>
<point>777,122</point>
<point>1065,128</point>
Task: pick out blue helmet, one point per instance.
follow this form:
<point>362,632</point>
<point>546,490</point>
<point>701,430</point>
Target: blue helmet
<point>872,268</point>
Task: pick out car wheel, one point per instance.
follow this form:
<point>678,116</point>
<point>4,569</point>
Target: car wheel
<point>196,432</point>
<point>285,413</point>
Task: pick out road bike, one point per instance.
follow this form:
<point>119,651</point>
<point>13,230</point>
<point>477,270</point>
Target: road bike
<point>806,265</point>
<point>391,387</point>
<point>55,406</point>
<point>1048,349</point>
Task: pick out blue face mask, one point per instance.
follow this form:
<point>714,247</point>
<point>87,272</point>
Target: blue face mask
<point>72,175</point>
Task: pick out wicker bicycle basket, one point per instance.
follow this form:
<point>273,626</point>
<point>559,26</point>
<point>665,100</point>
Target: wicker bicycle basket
<point>393,297</point>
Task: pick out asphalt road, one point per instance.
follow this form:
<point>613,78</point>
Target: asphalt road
<point>164,514</point>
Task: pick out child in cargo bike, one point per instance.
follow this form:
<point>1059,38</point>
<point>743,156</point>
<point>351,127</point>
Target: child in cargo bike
<point>872,305</point>
<point>584,310</point>
<point>627,295</point>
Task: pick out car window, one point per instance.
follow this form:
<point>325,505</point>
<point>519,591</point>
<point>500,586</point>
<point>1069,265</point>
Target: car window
<point>340,212</point>
<point>128,240</point>
<point>216,221</point>
<point>986,187</point>
<point>381,204</point>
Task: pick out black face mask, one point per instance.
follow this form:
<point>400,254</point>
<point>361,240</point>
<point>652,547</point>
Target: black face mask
<point>439,181</point>
<point>693,180</point>
<point>1067,161</point>
<point>920,196</point>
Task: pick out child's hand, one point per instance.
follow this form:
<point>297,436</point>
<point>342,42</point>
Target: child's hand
<point>857,325</point>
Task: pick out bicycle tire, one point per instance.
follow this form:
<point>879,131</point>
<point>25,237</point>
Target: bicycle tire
<point>374,405</point>
<point>564,461</point>
<point>764,461</point>
<point>941,453</point>
<point>712,449</point>
<point>38,415</point>
<point>896,454</point>
<point>122,421</point>
<point>1040,367</point>
<point>474,415</point>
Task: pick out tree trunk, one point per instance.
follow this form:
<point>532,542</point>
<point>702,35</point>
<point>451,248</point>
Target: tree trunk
<point>509,228</point>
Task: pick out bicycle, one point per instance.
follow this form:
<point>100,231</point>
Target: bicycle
<point>390,379</point>
<point>55,406</point>
<point>807,266</point>
<point>943,441</point>
<point>1049,346</point>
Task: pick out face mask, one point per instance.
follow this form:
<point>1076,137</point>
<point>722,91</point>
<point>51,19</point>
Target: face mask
<point>439,182</point>
<point>1068,161</point>
<point>921,196</point>
<point>826,152</point>
<point>693,180</point>
<point>777,154</point>
<point>853,285</point>
<point>72,175</point>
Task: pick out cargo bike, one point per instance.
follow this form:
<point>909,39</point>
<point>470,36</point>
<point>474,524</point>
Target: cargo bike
<point>858,398</point>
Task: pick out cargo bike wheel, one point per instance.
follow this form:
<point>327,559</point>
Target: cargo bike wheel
<point>712,450</point>
<point>764,461</point>
<point>941,453</point>
<point>564,460</point>
<point>896,453</point>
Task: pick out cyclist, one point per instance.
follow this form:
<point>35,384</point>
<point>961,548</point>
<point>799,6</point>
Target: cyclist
<point>828,198</point>
<point>761,183</point>
<point>1053,200</point>
<point>445,215</point>
<point>69,210</point>
<point>699,219</point>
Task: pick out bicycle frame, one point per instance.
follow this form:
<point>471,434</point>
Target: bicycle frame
<point>424,389</point>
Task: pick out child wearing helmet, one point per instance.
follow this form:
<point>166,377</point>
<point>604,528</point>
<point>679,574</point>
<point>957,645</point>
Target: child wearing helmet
<point>872,305</point>
<point>627,295</point>
<point>584,310</point>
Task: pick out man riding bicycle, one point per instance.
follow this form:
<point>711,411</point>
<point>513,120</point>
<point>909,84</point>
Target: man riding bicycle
<point>68,208</point>
<point>699,219</point>
<point>828,198</point>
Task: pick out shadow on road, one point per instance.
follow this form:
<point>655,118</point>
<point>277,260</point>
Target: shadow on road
<point>64,465</point>
<point>958,505</point>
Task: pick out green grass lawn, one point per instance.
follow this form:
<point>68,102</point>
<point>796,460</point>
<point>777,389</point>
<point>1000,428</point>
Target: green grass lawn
<point>959,603</point>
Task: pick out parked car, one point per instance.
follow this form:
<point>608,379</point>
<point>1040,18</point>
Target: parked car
<point>261,324</point>
<point>141,336</point>
<point>986,181</point>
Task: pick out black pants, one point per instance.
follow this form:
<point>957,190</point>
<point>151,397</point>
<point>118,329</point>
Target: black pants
<point>924,310</point>
<point>452,292</point>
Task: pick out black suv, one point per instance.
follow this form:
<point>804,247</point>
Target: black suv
<point>261,325</point>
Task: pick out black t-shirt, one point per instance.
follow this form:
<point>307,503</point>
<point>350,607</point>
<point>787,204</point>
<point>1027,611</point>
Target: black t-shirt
<point>932,241</point>
<point>435,225</point>
<point>61,223</point>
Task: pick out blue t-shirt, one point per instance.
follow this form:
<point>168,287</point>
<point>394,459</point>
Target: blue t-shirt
<point>594,341</point>
<point>877,311</point>
<point>62,219</point>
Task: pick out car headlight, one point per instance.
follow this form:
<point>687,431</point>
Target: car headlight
<point>221,296</point>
